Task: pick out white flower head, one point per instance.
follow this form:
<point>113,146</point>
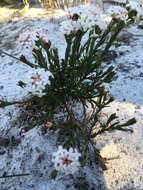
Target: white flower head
<point>66,161</point>
<point>84,22</point>
<point>68,26</point>
<point>36,80</point>
<point>28,37</point>
<point>118,12</point>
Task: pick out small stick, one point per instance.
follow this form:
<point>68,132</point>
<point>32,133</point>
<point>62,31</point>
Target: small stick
<point>3,52</point>
<point>21,59</point>
<point>15,175</point>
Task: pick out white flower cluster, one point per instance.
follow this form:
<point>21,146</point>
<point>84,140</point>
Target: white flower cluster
<point>84,22</point>
<point>94,16</point>
<point>66,161</point>
<point>28,36</point>
<point>35,81</point>
<point>68,26</point>
<point>118,12</point>
<point>89,21</point>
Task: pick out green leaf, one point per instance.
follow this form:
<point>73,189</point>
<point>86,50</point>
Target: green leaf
<point>111,118</point>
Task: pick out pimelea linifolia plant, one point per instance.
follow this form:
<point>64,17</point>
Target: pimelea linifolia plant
<point>57,85</point>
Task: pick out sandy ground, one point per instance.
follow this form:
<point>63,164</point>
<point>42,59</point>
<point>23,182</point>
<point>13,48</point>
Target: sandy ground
<point>123,150</point>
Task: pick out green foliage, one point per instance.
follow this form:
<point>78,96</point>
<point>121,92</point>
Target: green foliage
<point>79,78</point>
